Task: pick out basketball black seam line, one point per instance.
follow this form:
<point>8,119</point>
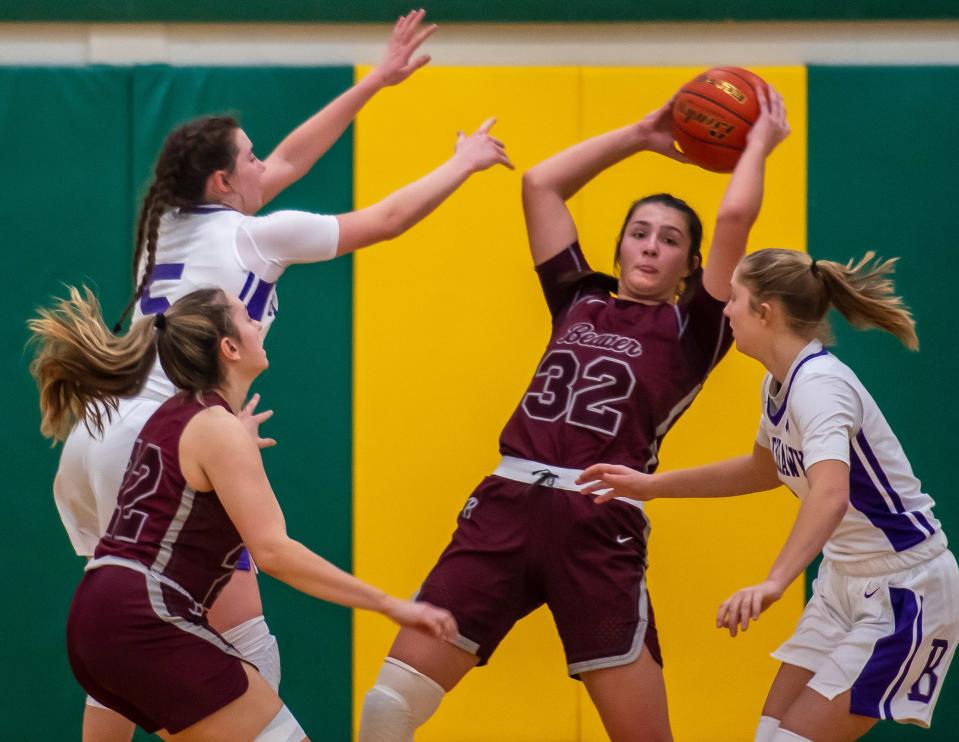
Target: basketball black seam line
<point>713,142</point>
<point>745,80</point>
<point>720,105</point>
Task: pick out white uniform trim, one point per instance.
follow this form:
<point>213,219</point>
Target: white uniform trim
<point>635,649</point>
<point>546,475</point>
<point>187,498</point>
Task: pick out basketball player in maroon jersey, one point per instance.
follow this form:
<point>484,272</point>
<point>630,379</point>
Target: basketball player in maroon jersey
<point>617,373</point>
<point>193,495</point>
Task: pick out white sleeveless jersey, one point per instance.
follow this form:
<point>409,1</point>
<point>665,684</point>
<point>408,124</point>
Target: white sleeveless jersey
<point>214,246</point>
<point>823,412</point>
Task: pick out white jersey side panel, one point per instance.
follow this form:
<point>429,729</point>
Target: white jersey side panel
<point>823,412</point>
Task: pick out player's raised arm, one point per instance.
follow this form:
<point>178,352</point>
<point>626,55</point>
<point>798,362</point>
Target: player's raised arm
<point>402,209</point>
<point>550,184</point>
<point>743,198</point>
<point>301,148</point>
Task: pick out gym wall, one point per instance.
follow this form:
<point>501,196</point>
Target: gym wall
<point>392,373</point>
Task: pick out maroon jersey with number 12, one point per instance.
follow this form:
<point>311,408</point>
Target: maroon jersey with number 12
<point>160,521</point>
<point>616,374</point>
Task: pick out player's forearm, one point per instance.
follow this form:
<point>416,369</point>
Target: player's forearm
<point>730,478</point>
<point>744,193</point>
<point>819,515</point>
<point>291,562</point>
<point>566,172</point>
<point>307,143</point>
<point>404,208</point>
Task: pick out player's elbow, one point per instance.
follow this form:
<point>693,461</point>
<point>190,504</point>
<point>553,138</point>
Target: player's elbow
<point>270,554</point>
<point>736,217</point>
<point>833,500</point>
<point>535,181</point>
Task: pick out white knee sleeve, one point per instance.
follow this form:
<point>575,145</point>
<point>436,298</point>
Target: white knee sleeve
<point>400,701</point>
<point>766,729</point>
<point>95,704</point>
<point>283,728</point>
<point>254,641</point>
<point>784,735</point>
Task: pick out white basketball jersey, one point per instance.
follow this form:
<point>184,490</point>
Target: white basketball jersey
<point>823,412</point>
<point>215,246</point>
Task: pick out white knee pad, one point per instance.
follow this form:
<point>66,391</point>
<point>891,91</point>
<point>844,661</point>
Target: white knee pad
<point>400,701</point>
<point>282,728</point>
<point>784,735</point>
<point>766,729</point>
<point>254,641</point>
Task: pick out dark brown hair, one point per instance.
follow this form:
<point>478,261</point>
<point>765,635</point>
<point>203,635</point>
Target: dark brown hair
<point>82,369</point>
<point>189,156</point>
<point>610,283</point>
<point>861,291</point>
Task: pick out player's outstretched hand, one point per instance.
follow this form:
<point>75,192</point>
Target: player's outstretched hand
<point>436,622</point>
<point>480,150</point>
<point>656,130</point>
<point>771,127</point>
<point>408,34</point>
<point>251,421</point>
<point>736,612</point>
<point>607,481</point>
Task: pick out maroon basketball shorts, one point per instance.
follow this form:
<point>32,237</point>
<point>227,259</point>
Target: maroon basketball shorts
<point>136,646</point>
<point>518,545</point>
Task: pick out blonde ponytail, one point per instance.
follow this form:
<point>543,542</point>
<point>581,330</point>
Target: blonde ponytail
<point>862,292</point>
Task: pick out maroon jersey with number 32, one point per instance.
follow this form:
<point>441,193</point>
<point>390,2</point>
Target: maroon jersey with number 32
<point>160,521</point>
<point>616,374</point>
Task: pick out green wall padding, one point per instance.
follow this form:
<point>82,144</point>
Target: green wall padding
<point>498,11</point>
<point>66,219</point>
<point>80,146</point>
<point>882,176</point>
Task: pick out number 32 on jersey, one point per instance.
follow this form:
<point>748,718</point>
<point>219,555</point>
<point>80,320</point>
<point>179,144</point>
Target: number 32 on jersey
<point>582,396</point>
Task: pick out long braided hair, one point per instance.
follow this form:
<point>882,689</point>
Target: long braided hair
<point>189,156</point>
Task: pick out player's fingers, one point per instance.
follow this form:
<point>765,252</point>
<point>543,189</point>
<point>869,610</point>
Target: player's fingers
<point>504,160</point>
<point>417,63</point>
<point>262,417</point>
<point>745,611</point>
<point>591,488</point>
<point>486,125</point>
<point>497,142</point>
<point>251,405</point>
<point>266,442</point>
<point>604,496</point>
<point>422,36</point>
<point>592,473</point>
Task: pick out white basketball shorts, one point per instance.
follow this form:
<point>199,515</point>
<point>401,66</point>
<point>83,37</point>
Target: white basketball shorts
<point>888,637</point>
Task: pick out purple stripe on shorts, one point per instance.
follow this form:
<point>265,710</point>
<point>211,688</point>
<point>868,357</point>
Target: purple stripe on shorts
<point>866,498</point>
<point>887,706</point>
<point>243,562</point>
<point>777,415</point>
<point>256,306</point>
<point>888,657</point>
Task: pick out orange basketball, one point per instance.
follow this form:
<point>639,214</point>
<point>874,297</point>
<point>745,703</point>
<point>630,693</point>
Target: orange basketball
<point>712,115</point>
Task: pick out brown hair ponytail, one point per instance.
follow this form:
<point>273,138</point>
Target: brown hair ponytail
<point>862,292</point>
<point>189,156</point>
<point>82,369</point>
